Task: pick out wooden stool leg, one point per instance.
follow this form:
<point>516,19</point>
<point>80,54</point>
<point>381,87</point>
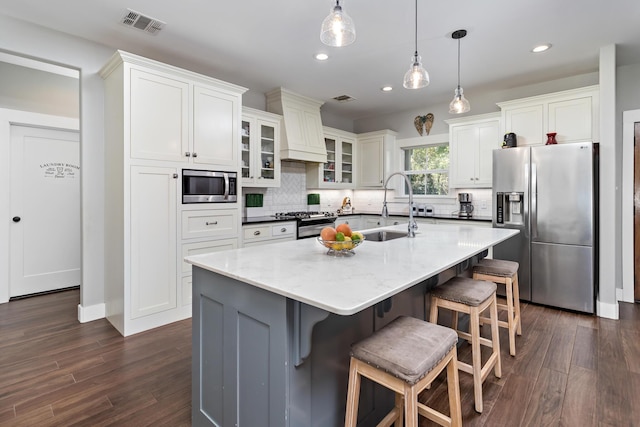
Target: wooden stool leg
<point>455,411</point>
<point>474,329</point>
<point>353,394</point>
<point>433,311</point>
<point>511,316</point>
<point>516,297</point>
<point>495,337</point>
<point>410,406</point>
<point>400,405</point>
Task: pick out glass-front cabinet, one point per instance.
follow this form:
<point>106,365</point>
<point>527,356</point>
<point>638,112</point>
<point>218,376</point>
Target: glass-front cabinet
<point>338,171</point>
<point>260,148</point>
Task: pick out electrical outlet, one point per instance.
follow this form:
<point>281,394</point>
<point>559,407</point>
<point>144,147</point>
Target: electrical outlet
<point>483,204</point>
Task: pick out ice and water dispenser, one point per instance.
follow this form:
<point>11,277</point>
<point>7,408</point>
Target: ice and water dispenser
<point>510,208</point>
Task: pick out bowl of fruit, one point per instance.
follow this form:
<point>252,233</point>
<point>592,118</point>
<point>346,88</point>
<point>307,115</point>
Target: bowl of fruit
<point>340,241</point>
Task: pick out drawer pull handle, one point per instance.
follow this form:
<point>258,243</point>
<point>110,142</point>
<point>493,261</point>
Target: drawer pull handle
<point>211,223</point>
<point>283,230</point>
<point>256,233</point>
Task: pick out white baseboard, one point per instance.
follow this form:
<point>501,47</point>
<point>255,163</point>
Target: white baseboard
<point>90,313</point>
<point>609,311</point>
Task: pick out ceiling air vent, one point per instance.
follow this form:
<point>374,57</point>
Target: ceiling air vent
<point>344,98</point>
<point>141,22</point>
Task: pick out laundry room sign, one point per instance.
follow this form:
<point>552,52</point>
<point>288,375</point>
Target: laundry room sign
<point>60,170</point>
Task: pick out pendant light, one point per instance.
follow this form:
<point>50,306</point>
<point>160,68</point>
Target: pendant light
<point>337,28</point>
<point>459,104</point>
<point>417,77</point>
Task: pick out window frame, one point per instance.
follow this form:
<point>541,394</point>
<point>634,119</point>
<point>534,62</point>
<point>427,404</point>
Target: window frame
<point>425,141</point>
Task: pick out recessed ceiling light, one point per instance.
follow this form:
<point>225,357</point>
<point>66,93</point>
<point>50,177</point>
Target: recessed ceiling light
<point>321,56</point>
<point>386,88</point>
<point>541,48</point>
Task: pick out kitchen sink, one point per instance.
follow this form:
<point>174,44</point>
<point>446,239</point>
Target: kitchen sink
<point>383,236</point>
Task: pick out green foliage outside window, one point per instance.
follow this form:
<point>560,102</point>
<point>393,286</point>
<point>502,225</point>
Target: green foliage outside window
<point>428,169</point>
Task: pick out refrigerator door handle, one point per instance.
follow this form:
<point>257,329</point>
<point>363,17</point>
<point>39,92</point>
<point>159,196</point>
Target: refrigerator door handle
<point>534,201</point>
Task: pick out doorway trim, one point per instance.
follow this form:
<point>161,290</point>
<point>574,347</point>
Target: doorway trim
<point>629,118</point>
<point>7,119</point>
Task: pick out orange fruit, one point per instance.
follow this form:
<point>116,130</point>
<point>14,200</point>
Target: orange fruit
<point>328,234</point>
<point>344,229</point>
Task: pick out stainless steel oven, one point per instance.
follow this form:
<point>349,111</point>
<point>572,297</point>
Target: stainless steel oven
<point>310,223</point>
<point>203,186</point>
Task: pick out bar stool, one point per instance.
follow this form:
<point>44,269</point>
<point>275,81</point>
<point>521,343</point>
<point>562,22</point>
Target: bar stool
<point>465,295</point>
<point>406,356</point>
<point>506,273</point>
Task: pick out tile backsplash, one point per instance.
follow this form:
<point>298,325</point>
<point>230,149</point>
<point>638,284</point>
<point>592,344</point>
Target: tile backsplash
<point>292,196</point>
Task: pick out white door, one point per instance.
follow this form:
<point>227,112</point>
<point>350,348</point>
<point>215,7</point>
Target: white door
<point>45,208</point>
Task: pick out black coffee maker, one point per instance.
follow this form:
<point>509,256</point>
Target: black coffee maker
<point>466,208</point>
<point>510,140</point>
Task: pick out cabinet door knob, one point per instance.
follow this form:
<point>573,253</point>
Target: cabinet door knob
<point>16,219</point>
<point>175,175</point>
<point>211,223</point>
<point>195,154</point>
<point>256,233</point>
<point>187,154</point>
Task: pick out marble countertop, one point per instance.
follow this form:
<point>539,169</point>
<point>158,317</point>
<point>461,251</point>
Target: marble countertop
<point>302,270</point>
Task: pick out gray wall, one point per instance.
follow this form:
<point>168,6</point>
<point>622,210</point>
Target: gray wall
<point>27,89</point>
<point>34,41</point>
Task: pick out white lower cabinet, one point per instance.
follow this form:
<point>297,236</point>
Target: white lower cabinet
<point>141,249</point>
<point>266,233</point>
<point>205,230</point>
<point>152,278</point>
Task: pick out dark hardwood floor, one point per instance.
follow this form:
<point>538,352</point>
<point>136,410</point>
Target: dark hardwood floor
<point>55,371</point>
<point>570,370</point>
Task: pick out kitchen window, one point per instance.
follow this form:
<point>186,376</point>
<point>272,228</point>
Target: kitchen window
<point>427,167</point>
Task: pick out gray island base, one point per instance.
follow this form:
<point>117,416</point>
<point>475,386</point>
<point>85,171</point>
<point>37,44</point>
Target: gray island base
<point>272,326</point>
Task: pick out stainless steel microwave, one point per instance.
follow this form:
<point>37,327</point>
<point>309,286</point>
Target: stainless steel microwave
<point>201,186</point>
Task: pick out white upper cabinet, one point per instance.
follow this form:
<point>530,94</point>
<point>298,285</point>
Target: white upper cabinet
<point>260,148</point>
<point>471,144</point>
<point>216,119</point>
<point>339,170</point>
<point>573,115</point>
<point>159,112</point>
<point>375,158</point>
<point>173,115</point>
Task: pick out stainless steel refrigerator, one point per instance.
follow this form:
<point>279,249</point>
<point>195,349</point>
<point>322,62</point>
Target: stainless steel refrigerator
<point>550,194</point>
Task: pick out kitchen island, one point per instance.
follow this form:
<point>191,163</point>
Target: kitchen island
<point>272,325</point>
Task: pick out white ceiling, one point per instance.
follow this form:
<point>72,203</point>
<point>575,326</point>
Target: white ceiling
<point>266,44</point>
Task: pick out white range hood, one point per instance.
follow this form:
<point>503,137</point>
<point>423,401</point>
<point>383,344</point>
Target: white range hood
<point>302,135</point>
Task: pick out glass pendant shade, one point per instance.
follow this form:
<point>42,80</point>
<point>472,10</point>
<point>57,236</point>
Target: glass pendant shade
<point>459,104</point>
<point>417,77</point>
<point>337,28</point>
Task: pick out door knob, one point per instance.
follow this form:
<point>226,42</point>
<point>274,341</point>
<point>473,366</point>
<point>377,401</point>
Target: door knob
<point>16,219</point>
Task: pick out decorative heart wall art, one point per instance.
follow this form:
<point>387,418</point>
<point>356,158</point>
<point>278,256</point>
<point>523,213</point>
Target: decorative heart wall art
<point>423,123</point>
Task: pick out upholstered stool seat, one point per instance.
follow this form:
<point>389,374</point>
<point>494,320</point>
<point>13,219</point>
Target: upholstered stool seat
<point>506,273</point>
<point>406,356</point>
<point>464,295</point>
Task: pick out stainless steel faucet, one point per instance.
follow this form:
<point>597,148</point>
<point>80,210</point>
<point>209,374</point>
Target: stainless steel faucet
<point>413,225</point>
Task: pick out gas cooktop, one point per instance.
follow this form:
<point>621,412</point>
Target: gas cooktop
<point>303,215</point>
